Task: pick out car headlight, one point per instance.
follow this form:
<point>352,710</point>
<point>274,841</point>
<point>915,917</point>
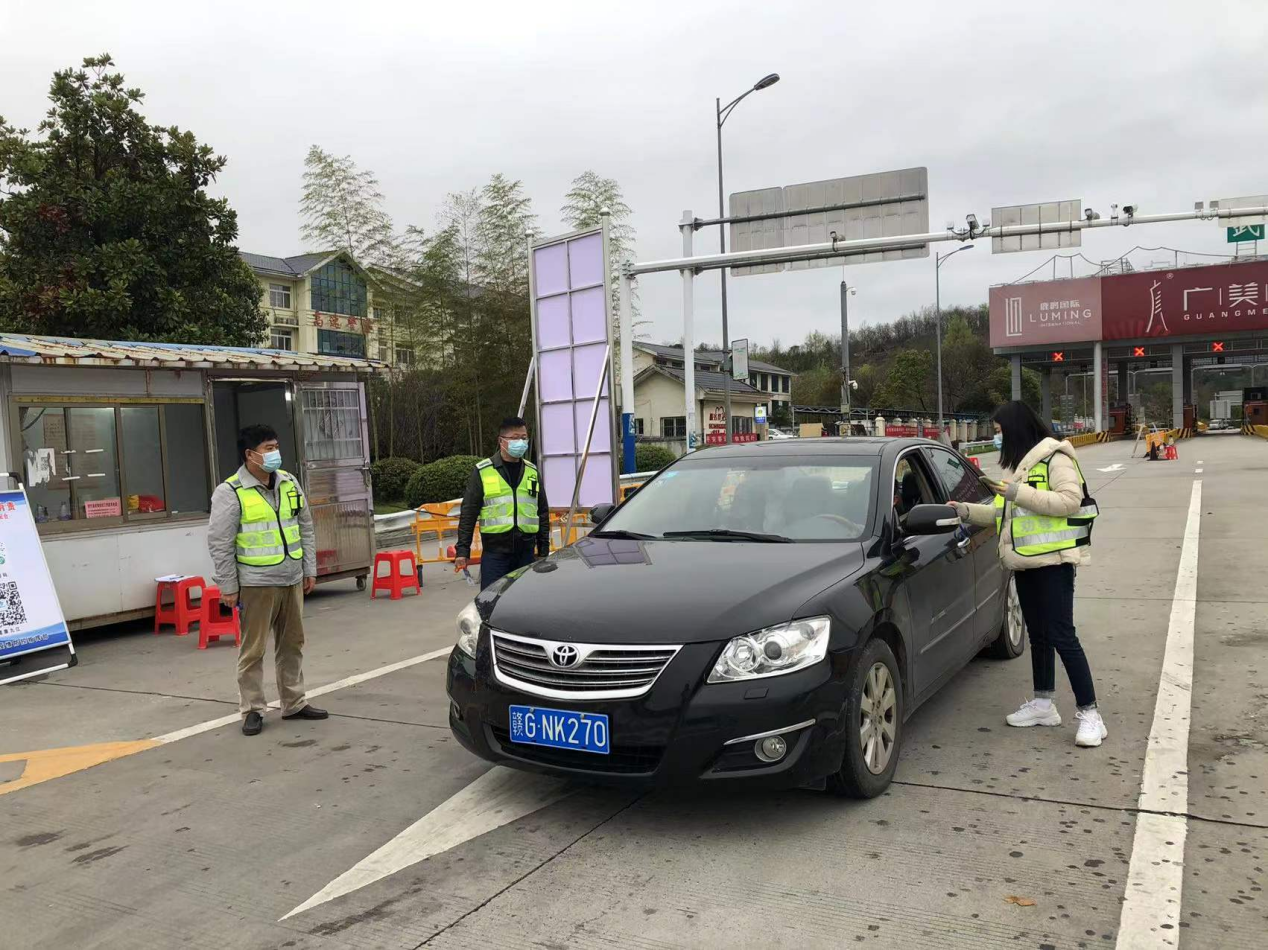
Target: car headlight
<point>773,651</point>
<point>468,629</point>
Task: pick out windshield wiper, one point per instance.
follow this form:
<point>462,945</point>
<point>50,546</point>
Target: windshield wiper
<point>621,533</point>
<point>725,534</point>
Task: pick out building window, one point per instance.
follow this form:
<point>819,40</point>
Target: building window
<point>638,426</point>
<point>787,384</point>
<point>88,466</point>
<point>281,339</point>
<point>674,427</point>
<point>337,343</point>
<point>382,352</point>
<point>280,296</point>
<point>741,425</point>
<point>337,288</point>
<point>405,356</point>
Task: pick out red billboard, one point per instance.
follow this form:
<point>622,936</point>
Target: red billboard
<point>1222,298</point>
<point>1054,311</point>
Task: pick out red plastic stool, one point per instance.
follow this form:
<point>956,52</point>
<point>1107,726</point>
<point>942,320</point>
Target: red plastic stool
<point>182,611</point>
<point>1171,453</point>
<point>402,573</point>
<point>213,625</point>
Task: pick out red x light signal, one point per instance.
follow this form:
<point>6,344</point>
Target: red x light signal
<point>1217,347</point>
<point>1138,351</point>
<point>1058,357</point>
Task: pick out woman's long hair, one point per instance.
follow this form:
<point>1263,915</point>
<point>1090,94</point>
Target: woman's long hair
<point>1022,430</point>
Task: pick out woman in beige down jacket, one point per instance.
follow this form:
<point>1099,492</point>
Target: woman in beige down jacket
<point>1045,582</point>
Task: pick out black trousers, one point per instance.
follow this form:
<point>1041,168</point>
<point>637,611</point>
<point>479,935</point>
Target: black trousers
<point>1047,603</point>
<point>494,565</point>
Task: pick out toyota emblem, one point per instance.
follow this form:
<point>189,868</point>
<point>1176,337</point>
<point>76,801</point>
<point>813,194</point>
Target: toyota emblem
<point>564,656</point>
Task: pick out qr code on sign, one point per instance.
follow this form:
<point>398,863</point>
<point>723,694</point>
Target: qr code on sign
<point>11,611</point>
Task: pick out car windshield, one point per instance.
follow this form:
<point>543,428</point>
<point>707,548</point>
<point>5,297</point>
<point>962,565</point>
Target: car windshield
<point>799,498</point>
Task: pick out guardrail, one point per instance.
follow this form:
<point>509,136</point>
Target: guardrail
<point>1261,431</point>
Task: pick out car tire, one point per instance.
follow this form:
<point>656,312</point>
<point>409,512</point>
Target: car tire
<point>1011,642</point>
<point>867,768</point>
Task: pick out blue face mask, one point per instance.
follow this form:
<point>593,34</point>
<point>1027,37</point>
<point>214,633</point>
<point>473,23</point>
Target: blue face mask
<point>999,440</point>
<point>271,461</point>
<point>517,448</point>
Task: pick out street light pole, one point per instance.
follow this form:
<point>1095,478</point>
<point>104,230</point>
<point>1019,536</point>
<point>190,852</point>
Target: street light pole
<point>938,261</point>
<point>722,114</point>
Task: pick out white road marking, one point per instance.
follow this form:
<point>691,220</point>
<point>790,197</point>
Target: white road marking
<point>496,798</point>
<point>1113,468</point>
<point>1155,878</point>
<point>1197,471</point>
<point>344,683</point>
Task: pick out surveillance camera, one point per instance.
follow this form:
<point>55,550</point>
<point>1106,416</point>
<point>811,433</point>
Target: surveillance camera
<point>854,384</point>
<point>971,220</point>
<point>1130,210</point>
<point>1091,214</point>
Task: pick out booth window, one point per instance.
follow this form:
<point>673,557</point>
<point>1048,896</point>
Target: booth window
<point>91,466</point>
<point>338,288</point>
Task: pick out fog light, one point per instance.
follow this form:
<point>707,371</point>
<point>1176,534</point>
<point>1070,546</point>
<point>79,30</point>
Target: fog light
<point>770,749</point>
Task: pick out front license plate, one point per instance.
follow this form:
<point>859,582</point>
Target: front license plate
<point>560,729</point>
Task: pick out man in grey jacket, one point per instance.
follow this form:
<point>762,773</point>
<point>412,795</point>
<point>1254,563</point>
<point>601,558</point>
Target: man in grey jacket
<point>264,550</point>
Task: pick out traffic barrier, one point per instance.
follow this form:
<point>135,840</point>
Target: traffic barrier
<point>1088,438</point>
<point>1260,431</point>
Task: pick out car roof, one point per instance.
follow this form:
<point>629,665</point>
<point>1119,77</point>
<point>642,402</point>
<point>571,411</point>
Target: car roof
<point>851,445</point>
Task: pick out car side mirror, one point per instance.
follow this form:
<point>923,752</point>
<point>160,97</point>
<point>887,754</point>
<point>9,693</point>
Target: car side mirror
<point>931,519</point>
<point>601,513</point>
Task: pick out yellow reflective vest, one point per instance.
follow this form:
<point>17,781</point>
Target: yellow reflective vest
<point>1035,534</point>
<point>267,537</point>
<point>506,507</point>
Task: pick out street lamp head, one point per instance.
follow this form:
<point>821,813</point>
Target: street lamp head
<point>767,81</point>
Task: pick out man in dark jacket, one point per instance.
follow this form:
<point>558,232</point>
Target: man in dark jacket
<point>505,495</point>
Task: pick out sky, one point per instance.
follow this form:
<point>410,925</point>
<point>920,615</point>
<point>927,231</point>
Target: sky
<point>1158,103</point>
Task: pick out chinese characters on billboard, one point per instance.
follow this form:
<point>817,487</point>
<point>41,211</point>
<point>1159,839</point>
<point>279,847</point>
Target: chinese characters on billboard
<point>1148,305</point>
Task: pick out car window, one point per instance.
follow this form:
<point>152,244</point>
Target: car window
<point>911,486</point>
<point>958,478</point>
<point>805,498</point>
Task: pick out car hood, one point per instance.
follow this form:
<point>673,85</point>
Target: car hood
<point>603,590</point>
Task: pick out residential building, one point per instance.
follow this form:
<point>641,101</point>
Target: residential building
<point>660,403</point>
<point>324,303</point>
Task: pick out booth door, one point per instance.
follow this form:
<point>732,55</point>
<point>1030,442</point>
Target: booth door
<point>336,459</point>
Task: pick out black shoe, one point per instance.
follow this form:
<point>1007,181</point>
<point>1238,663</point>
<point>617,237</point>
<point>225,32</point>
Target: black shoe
<point>308,712</point>
<point>252,725</point>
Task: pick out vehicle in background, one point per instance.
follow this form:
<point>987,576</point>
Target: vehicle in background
<point>764,613</point>
<point>774,434</point>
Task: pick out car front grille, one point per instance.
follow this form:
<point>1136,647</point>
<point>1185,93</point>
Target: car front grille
<point>623,759</point>
<point>596,671</point>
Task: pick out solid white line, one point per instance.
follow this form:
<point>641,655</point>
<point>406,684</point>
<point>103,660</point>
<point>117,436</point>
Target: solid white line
<point>1155,878</point>
<point>312,694</point>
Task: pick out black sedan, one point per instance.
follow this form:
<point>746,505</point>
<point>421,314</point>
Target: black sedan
<point>767,613</point>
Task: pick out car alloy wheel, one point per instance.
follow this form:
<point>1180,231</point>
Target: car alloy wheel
<point>1016,622</point>
<point>878,718</point>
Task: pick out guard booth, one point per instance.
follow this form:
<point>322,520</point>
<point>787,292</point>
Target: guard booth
<point>120,445</point>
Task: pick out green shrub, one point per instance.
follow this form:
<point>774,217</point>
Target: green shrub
<point>389,477</point>
<point>441,480</point>
<point>651,457</point>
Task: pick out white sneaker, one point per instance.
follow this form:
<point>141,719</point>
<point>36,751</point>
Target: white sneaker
<point>1091,728</point>
<point>1035,712</point>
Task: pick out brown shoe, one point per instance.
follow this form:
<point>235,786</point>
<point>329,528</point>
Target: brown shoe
<point>308,712</point>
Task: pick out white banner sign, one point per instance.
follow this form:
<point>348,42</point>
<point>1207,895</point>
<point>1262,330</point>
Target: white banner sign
<point>30,615</point>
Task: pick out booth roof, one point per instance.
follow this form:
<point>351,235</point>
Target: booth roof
<point>21,348</point>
